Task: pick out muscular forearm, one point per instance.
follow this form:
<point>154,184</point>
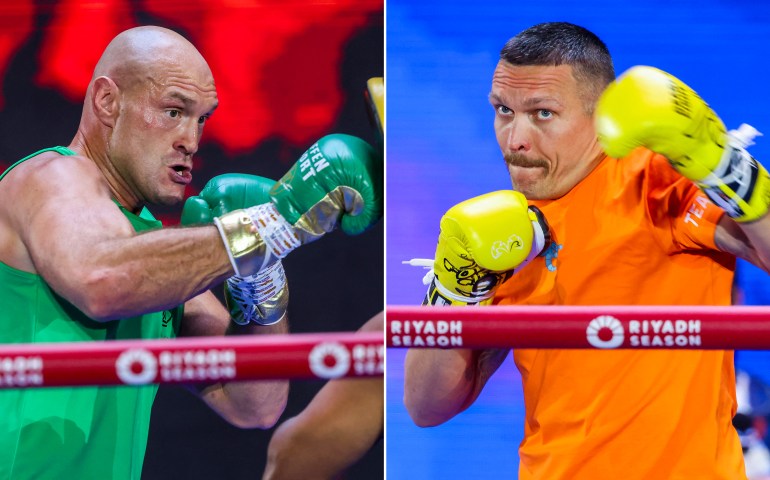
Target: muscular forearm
<point>245,404</point>
<point>439,384</point>
<point>144,273</point>
<point>256,404</point>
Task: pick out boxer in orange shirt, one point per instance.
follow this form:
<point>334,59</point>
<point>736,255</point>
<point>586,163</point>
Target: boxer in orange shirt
<point>600,217</point>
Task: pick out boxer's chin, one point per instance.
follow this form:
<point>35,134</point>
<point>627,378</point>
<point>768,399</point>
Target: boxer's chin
<point>168,196</point>
<point>531,181</point>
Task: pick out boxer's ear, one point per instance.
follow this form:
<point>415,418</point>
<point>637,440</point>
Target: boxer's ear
<point>105,100</point>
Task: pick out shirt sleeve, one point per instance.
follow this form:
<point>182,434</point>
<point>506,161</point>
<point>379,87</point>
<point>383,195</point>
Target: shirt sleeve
<point>683,218</point>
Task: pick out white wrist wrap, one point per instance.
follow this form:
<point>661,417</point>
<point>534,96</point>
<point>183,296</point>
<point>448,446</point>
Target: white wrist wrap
<point>275,231</point>
<point>255,238</point>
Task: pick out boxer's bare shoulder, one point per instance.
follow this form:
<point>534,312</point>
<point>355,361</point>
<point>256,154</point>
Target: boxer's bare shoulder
<point>49,178</point>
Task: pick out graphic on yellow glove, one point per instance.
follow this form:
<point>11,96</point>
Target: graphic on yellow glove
<point>483,241</point>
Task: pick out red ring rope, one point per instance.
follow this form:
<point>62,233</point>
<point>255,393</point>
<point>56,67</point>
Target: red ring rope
<point>190,360</point>
<point>643,327</point>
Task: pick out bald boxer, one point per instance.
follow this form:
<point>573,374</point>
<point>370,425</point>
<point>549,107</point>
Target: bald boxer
<point>654,214</point>
<point>83,259</point>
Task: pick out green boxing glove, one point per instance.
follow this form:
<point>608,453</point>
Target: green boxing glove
<point>337,182</point>
<point>225,193</point>
<point>261,298</point>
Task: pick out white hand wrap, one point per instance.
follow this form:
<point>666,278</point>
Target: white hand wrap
<point>256,237</point>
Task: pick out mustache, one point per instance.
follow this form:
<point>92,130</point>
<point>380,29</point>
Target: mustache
<point>519,160</point>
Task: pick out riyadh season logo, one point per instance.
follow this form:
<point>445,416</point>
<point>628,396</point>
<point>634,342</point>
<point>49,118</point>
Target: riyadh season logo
<point>605,331</point>
<point>329,360</point>
<point>136,367</point>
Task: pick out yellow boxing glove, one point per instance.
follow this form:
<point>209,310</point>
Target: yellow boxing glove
<point>648,107</point>
<point>483,241</point>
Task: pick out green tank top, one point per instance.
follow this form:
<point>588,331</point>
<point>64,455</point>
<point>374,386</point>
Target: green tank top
<point>72,433</point>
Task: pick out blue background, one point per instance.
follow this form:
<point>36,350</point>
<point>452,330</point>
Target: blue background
<point>441,150</point>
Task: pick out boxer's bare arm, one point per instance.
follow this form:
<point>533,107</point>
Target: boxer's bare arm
<point>439,384</point>
<point>750,241</point>
<point>255,404</point>
<point>66,228</point>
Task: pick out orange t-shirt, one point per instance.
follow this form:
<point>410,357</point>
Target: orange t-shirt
<point>634,232</point>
